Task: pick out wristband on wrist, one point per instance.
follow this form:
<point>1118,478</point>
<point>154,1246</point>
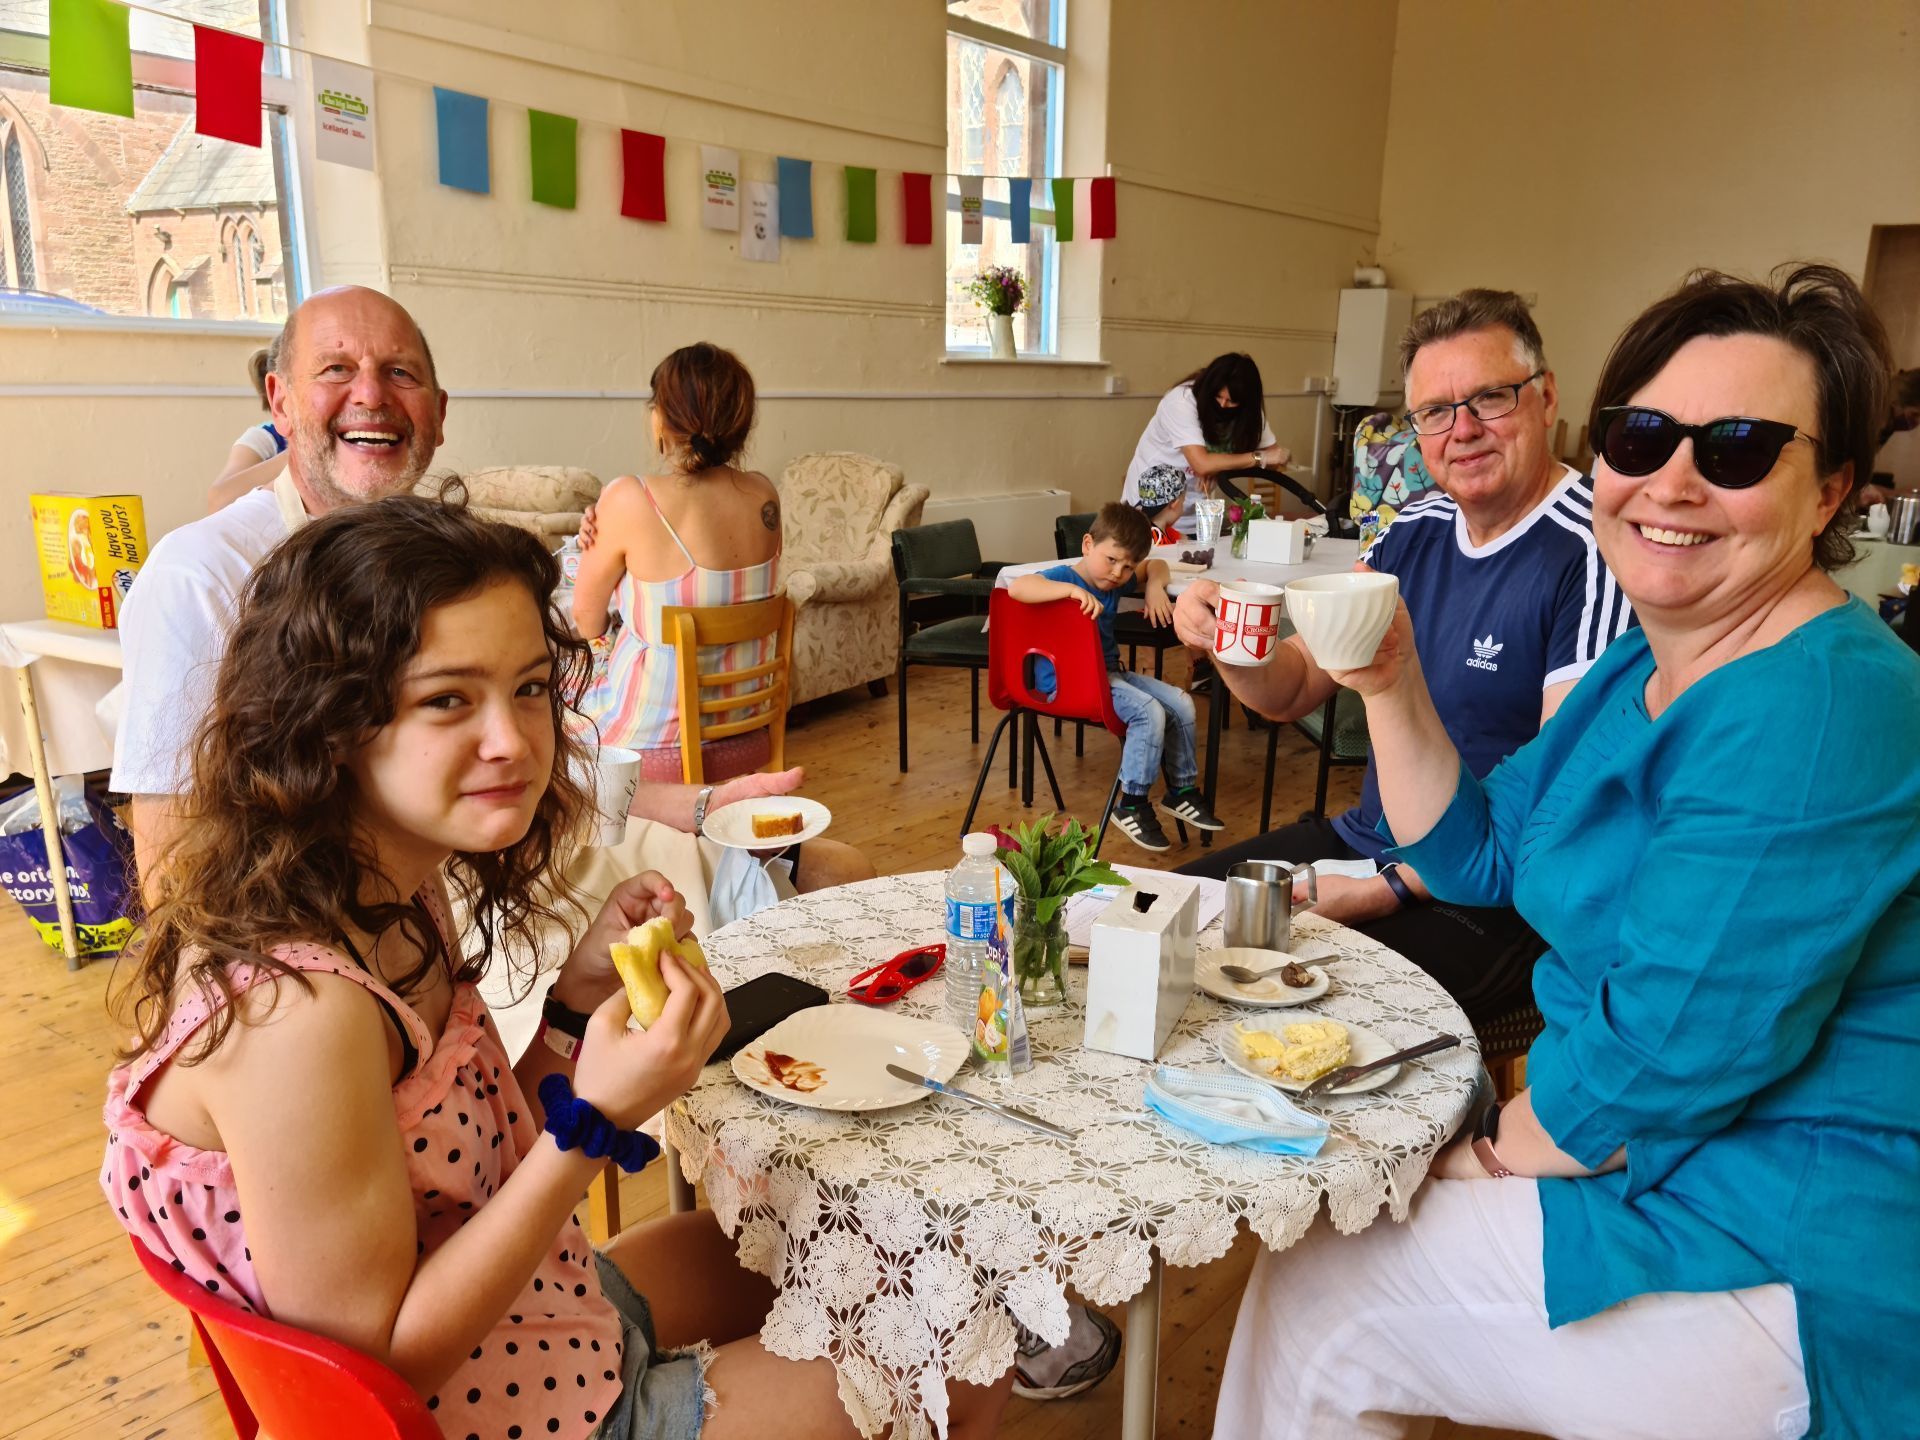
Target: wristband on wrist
<point>1403,892</point>
<point>564,1017</point>
<point>575,1124</point>
<point>1483,1137</point>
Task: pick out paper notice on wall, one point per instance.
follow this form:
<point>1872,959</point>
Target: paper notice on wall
<point>971,209</point>
<point>343,113</point>
<point>760,230</point>
<point>720,179</point>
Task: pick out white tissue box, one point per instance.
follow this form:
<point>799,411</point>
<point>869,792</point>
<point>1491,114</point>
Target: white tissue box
<point>1140,967</point>
<point>1277,542</point>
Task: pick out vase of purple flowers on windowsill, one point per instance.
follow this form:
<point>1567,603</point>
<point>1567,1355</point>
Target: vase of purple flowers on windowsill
<point>1001,291</point>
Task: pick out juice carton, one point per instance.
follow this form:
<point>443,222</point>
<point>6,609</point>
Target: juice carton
<point>90,548</point>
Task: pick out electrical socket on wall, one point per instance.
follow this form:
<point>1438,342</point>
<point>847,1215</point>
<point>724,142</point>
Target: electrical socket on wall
<point>1319,382</point>
<point>1116,384</point>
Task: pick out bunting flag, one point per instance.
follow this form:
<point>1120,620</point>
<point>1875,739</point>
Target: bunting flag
<point>796,198</point>
<point>343,113</point>
<point>643,184</point>
<point>89,56</point>
<point>1100,216</point>
<point>863,221</point>
<point>971,204</point>
<point>720,175</point>
<point>916,197</point>
<point>555,155</point>
<point>760,222</point>
<point>463,140</point>
<point>1020,209</point>
<point>1063,209</point>
<point>226,85</point>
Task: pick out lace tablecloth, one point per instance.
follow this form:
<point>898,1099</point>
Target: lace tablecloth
<point>904,1243</point>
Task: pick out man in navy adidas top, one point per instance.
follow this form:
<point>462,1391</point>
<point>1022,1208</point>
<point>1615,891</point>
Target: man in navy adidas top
<point>1511,604</point>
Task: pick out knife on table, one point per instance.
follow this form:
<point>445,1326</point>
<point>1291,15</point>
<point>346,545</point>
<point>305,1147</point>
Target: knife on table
<point>1347,1074</point>
<point>1018,1116</point>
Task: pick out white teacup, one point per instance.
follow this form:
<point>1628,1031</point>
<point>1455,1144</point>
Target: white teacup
<point>1879,521</point>
<point>616,775</point>
<point>1343,617</point>
<point>1246,623</point>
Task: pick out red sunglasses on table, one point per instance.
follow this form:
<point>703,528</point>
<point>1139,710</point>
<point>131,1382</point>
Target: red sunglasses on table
<point>887,982</point>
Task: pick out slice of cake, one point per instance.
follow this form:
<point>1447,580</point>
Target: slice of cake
<point>770,825</point>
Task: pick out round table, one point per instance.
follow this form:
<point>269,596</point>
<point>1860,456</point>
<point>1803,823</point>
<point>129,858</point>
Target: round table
<point>905,1243</point>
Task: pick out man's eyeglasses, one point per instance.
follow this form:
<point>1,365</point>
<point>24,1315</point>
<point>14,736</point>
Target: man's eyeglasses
<point>1488,404</point>
<point>1732,452</point>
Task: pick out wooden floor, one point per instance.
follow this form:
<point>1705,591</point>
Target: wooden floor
<point>89,1347</point>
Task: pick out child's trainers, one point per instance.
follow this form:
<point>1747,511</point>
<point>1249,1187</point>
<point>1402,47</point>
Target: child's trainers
<point>1191,806</point>
<point>1139,824</point>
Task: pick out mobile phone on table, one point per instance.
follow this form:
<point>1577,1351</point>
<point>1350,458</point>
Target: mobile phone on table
<point>755,1006</point>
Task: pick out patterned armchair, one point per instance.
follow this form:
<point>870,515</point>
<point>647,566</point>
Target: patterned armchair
<point>841,510</point>
<point>546,500</point>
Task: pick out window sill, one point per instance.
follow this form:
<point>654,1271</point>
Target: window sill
<point>963,358</point>
<point>140,324</point>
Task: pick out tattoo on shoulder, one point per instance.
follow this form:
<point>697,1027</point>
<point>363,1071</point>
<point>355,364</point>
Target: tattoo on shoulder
<point>770,514</point>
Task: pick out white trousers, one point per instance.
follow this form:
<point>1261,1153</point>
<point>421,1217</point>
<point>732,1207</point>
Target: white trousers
<point>1373,1334</point>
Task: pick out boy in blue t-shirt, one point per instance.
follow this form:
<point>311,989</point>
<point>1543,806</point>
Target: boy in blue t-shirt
<point>1159,716</point>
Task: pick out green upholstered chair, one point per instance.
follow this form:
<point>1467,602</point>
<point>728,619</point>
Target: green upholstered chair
<point>940,573</point>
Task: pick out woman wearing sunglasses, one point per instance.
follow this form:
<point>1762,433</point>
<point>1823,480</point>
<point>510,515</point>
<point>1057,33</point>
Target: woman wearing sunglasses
<point>1702,1217</point>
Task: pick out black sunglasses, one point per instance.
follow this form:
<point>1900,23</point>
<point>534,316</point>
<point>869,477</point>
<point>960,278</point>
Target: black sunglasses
<point>1732,452</point>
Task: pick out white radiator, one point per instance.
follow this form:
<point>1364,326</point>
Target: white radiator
<point>1011,527</point>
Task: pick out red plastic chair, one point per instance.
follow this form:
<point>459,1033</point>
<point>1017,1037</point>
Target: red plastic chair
<point>297,1385</point>
<point>1062,634</point>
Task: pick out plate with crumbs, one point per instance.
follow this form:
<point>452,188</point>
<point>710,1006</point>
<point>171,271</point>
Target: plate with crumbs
<point>835,1057</point>
<point>767,822</point>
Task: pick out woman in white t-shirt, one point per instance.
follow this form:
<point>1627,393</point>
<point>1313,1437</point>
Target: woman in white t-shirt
<point>259,455</point>
<point>1212,421</point>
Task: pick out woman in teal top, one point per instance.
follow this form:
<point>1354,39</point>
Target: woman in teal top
<point>1719,836</point>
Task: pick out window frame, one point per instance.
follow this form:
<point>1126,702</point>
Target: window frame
<point>1041,216</point>
<point>282,120</point>
<point>15,139</point>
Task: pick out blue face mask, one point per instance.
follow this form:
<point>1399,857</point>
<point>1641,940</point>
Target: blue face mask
<point>1234,1110</point>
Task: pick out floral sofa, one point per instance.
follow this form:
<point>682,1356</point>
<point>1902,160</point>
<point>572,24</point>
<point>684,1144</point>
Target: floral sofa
<point>840,510</point>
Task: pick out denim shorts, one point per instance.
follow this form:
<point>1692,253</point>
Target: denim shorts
<point>663,1395</point>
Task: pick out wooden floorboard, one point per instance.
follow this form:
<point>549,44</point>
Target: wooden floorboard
<point>88,1347</point>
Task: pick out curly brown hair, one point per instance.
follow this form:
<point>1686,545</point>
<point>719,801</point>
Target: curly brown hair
<point>268,852</point>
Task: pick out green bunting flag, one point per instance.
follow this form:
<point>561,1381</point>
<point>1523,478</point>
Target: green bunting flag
<point>1063,209</point>
<point>550,139</point>
<point>90,57</point>
<point>863,225</point>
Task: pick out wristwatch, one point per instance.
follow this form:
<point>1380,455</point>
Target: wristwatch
<point>700,808</point>
<point>1403,892</point>
<point>563,1027</point>
<point>1484,1134</point>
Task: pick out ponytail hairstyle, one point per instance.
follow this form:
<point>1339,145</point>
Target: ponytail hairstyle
<point>269,851</point>
<point>704,396</point>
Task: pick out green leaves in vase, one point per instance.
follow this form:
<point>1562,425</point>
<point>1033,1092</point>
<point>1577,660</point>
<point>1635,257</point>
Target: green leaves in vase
<point>1050,867</point>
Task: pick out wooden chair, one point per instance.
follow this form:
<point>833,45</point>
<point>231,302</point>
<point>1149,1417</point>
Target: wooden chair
<point>688,628</point>
<point>291,1383</point>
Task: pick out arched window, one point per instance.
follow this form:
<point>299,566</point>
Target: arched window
<point>1010,124</point>
<point>247,252</point>
<point>973,109</point>
<point>16,256</point>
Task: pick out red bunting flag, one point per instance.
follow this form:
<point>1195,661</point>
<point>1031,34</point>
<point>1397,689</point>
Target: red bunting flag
<point>643,158</point>
<point>226,85</point>
<point>1100,197</point>
<point>917,194</point>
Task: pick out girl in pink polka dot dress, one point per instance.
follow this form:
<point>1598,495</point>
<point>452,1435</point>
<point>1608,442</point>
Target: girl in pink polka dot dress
<point>317,1119</point>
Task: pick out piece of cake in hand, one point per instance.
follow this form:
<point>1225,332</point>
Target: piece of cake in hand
<point>638,963</point>
<point>770,826</point>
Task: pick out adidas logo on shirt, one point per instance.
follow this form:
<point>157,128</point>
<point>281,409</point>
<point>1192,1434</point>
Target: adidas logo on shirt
<point>1485,653</point>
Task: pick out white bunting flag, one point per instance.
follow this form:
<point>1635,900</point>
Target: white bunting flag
<point>760,231</point>
<point>970,209</point>
<point>720,178</point>
<point>343,113</point>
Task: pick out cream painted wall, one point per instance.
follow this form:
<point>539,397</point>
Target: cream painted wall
<point>1240,216</point>
<point>1591,154</point>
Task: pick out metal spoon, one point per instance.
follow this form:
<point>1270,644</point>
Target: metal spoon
<point>1240,975</point>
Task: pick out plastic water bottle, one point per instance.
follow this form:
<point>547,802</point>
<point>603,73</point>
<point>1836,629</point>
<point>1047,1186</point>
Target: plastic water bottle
<point>569,557</point>
<point>970,924</point>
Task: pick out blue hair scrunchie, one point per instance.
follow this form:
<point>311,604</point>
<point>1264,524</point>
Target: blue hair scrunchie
<point>574,1122</point>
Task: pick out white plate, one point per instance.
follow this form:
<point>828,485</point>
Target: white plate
<point>853,1045</point>
<point>1267,992</point>
<point>732,825</point>
<point>1364,1045</point>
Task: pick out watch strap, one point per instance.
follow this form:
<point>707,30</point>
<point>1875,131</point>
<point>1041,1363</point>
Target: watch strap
<point>700,803</point>
<point>1483,1137</point>
<point>564,1018</point>
<point>1402,891</point>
